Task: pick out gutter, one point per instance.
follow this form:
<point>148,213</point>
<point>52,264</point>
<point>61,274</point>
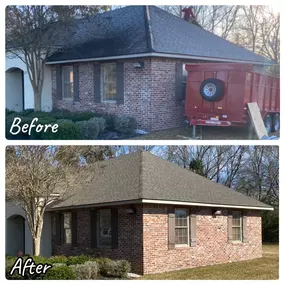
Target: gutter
<point>205,205</point>
<point>157,54</point>
<point>164,202</point>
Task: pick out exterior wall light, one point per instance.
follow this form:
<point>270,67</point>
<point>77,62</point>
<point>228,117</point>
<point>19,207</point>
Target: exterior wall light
<point>138,64</point>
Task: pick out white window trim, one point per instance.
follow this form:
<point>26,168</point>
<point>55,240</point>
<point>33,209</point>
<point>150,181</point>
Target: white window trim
<point>188,228</point>
<point>102,87</point>
<point>241,227</point>
<point>70,227</point>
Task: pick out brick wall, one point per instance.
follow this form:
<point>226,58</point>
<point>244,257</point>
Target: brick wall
<point>212,241</point>
<point>129,241</point>
<point>149,94</point>
<point>143,240</point>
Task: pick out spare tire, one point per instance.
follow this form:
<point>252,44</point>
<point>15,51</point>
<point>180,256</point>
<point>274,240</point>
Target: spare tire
<point>212,89</point>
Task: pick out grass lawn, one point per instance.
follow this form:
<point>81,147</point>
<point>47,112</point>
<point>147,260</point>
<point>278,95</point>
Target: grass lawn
<point>264,268</point>
<point>205,133</point>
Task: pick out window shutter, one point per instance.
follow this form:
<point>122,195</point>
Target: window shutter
<point>114,227</point>
<point>93,228</point>
<point>171,229</point>
<point>58,229</point>
<point>192,229</point>
<point>179,82</point>
<point>230,227</point>
<point>244,224</point>
<point>76,82</point>
<point>74,228</point>
<point>58,82</point>
<point>120,83</point>
<point>97,83</point>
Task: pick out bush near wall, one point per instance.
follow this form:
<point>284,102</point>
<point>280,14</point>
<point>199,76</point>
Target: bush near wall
<point>82,267</point>
<point>72,125</point>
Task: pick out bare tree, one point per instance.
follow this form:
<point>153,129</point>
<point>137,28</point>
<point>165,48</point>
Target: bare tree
<point>33,33</point>
<point>39,176</point>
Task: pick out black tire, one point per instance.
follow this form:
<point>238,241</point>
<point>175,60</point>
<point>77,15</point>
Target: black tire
<point>276,123</point>
<point>268,123</point>
<point>212,89</point>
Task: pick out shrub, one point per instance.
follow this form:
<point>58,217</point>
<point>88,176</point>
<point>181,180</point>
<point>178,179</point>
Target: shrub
<point>116,268</point>
<point>81,116</point>
<point>89,129</point>
<point>94,268</point>
<point>66,131</point>
<point>58,264</point>
<point>80,259</point>
<point>57,259</point>
<point>110,121</point>
<point>9,112</point>
<point>61,113</point>
<point>125,124</point>
<point>81,271</point>
<point>59,273</point>
<point>101,123</point>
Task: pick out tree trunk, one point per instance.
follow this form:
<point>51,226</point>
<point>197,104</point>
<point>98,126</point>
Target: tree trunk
<point>37,101</point>
<point>37,245</point>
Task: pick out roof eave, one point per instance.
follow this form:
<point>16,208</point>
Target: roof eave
<point>167,202</point>
<point>152,201</point>
<point>159,54</point>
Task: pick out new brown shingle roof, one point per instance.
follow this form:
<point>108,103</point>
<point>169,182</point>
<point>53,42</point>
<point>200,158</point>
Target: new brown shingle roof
<point>142,175</point>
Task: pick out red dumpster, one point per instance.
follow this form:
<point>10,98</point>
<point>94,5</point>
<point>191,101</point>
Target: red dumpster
<point>217,95</point>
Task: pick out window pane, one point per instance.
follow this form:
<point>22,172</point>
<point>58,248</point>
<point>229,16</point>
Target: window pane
<point>104,230</point>
<point>108,80</point>
<point>236,234</point>
<point>67,220</point>
<point>67,82</point>
<point>67,235</point>
<point>181,236</point>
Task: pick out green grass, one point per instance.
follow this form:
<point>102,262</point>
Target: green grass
<point>265,268</point>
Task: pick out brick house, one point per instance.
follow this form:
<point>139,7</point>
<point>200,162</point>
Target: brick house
<point>129,61</point>
<point>158,216</point>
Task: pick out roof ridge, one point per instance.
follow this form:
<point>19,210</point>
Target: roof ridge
<point>148,28</point>
<point>140,175</point>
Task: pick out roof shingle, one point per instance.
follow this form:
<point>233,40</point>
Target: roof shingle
<point>128,31</point>
<point>142,175</point>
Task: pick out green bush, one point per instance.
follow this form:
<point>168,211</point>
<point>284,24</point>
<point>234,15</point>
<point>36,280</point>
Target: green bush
<point>94,268</point>
<point>59,273</point>
<point>110,121</point>
<point>89,129</point>
<point>81,271</point>
<point>101,123</point>
<point>57,259</point>
<point>80,259</point>
<point>125,124</point>
<point>115,268</point>
<point>66,131</point>
<point>9,112</point>
<point>81,116</point>
<point>61,114</point>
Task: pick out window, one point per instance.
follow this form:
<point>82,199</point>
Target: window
<point>67,227</point>
<point>104,234</point>
<point>237,226</point>
<point>181,227</point>
<point>108,81</point>
<point>67,82</point>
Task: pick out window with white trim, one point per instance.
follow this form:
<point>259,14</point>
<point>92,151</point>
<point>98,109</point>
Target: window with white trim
<point>108,81</point>
<point>67,82</point>
<point>104,234</point>
<point>181,227</point>
<point>237,226</point>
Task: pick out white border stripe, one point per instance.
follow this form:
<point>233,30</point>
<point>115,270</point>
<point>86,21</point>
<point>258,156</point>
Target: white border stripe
<point>204,205</point>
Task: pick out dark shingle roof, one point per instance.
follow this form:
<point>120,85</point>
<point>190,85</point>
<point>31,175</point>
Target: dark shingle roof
<point>127,31</point>
<point>145,176</point>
